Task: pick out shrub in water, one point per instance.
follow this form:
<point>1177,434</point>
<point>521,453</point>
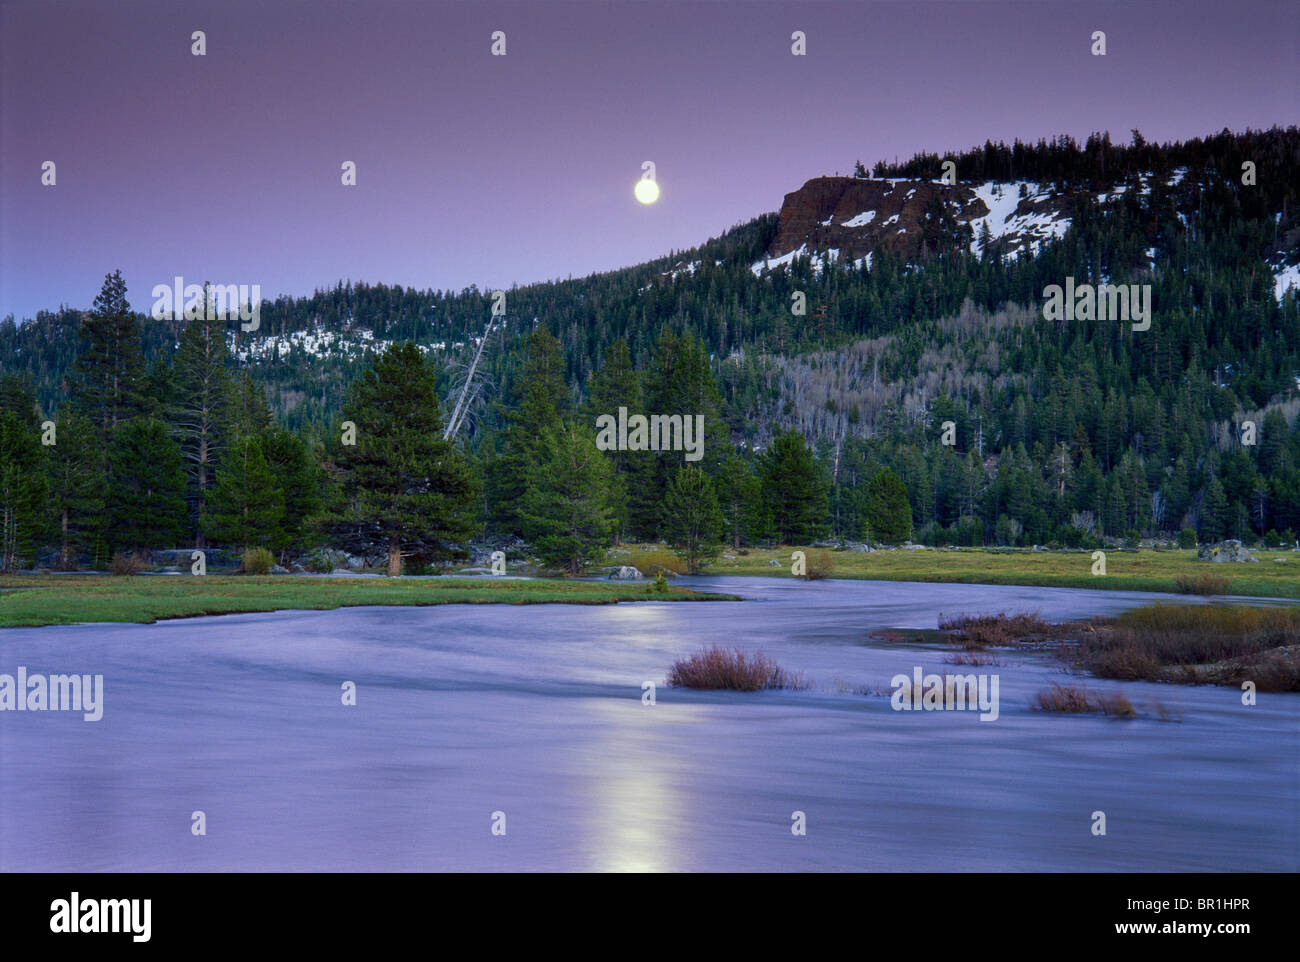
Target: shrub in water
<point>732,670</point>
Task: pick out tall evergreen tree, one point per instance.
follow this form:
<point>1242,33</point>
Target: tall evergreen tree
<point>22,491</point>
<point>1214,513</point>
<point>203,404</point>
<point>795,489</point>
<point>679,381</point>
<point>541,395</point>
<point>740,497</point>
<point>245,507</point>
<point>692,521</point>
<point>296,477</point>
<point>617,384</point>
<point>146,491</point>
<point>886,512</point>
<point>76,469</point>
<point>404,489</point>
<point>109,373</point>
<point>566,514</point>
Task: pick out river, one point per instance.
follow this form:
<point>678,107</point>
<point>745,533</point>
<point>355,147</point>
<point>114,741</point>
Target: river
<point>536,713</point>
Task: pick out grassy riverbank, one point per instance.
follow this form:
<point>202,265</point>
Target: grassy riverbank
<point>1144,570</point>
<point>70,599</point>
<point>1183,644</point>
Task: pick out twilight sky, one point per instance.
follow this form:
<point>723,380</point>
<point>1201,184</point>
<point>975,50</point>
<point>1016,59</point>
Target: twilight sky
<point>474,169</point>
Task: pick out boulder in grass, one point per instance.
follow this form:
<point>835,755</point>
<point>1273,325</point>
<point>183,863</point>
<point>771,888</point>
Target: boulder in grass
<point>624,573</point>
<point>1225,552</point>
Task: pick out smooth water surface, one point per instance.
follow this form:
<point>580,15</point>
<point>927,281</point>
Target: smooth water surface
<point>536,712</point>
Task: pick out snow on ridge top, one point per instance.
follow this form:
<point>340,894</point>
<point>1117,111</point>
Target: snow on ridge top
<point>860,220</point>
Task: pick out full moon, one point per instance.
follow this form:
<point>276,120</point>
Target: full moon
<point>647,191</point>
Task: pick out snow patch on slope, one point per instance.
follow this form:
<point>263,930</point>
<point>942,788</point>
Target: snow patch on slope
<point>1002,199</point>
<point>1286,279</point>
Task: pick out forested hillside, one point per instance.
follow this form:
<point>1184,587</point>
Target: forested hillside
<point>1064,431</point>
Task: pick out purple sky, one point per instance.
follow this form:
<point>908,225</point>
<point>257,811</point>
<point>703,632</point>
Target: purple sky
<point>497,170</point>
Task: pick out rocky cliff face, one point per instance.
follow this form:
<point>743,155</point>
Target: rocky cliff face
<point>851,218</point>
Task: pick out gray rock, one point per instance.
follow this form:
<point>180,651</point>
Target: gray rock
<point>1225,551</point>
<point>774,563</point>
<point>278,570</point>
<point>624,573</point>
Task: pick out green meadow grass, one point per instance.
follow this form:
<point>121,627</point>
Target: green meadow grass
<point>1145,570</point>
<point>71,599</point>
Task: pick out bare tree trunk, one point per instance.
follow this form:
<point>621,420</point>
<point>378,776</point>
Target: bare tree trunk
<point>394,557</point>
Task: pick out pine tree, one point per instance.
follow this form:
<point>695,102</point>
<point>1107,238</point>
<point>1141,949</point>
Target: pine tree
<point>1272,442</point>
<point>245,506</point>
<point>886,512</point>
<point>692,521</point>
<point>76,486</point>
<point>1214,513</point>
<point>146,492</point>
<point>566,514</point>
<point>795,489</point>
<point>204,398</point>
<point>22,491</point>
<point>403,487</point>
<point>541,395</point>
<point>109,373</point>
<point>679,381</point>
<point>297,477</point>
<point>617,384</point>
<point>740,497</point>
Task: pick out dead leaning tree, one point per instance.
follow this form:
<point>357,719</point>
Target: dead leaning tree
<point>469,390</point>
